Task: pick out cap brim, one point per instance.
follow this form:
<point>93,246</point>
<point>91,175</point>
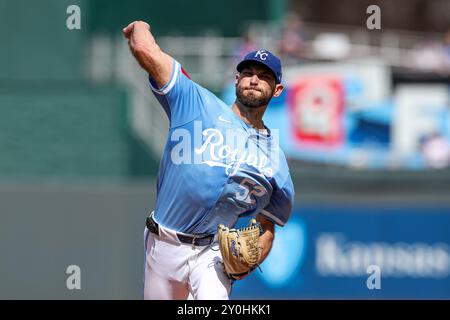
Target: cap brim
<point>243,63</point>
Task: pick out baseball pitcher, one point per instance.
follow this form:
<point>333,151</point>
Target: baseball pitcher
<point>220,163</point>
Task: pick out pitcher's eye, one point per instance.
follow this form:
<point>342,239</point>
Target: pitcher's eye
<point>266,76</point>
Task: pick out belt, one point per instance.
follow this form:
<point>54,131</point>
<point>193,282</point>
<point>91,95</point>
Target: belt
<point>153,227</point>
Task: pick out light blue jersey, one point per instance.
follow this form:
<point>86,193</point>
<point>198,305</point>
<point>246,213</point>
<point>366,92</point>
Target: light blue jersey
<point>215,168</point>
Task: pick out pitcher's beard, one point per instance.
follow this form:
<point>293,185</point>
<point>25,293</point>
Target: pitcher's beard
<point>251,100</point>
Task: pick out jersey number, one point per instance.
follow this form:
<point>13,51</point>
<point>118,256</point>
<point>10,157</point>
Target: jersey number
<point>248,187</point>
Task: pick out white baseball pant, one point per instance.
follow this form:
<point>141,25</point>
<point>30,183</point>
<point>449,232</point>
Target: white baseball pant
<point>176,271</point>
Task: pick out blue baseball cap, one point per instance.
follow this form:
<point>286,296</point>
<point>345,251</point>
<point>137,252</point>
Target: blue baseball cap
<point>266,58</point>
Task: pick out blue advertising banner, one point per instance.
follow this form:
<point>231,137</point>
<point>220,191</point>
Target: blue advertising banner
<point>356,252</point>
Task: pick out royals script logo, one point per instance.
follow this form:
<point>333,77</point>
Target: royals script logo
<point>230,149</point>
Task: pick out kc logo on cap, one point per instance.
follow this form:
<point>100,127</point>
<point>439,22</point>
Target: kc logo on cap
<point>262,54</point>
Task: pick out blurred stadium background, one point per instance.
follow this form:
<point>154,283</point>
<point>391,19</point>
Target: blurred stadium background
<point>365,122</point>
